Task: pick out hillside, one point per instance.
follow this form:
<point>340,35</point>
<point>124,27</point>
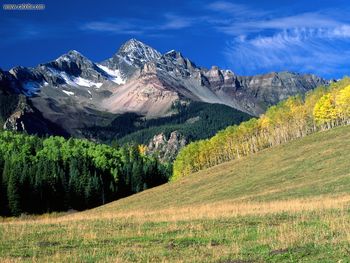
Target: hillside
<point>313,166</point>
<point>288,203</point>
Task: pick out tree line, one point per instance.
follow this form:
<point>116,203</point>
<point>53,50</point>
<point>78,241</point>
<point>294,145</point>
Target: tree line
<point>39,175</point>
<point>298,116</point>
<point>194,120</point>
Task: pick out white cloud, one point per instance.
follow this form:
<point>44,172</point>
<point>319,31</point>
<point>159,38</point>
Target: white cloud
<point>176,22</point>
<point>111,27</point>
<point>315,42</point>
<point>305,20</point>
<point>138,26</point>
<point>227,7</point>
<point>237,11</point>
<point>301,49</point>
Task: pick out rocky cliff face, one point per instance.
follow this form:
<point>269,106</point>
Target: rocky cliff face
<point>27,119</point>
<point>16,121</point>
<point>165,148</point>
<point>74,93</point>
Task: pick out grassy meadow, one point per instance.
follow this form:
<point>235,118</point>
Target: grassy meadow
<point>289,203</point>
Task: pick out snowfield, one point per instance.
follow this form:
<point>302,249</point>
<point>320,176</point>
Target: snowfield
<point>114,75</point>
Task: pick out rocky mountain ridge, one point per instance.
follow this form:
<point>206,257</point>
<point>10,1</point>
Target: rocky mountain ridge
<point>74,93</point>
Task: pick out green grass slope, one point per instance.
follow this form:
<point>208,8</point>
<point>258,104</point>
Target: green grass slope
<point>316,165</point>
<point>285,204</point>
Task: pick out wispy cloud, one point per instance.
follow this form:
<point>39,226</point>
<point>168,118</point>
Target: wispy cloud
<point>318,51</point>
<point>227,7</point>
<point>113,27</point>
<point>177,22</point>
<point>138,26</point>
<point>305,20</point>
<point>237,11</point>
<point>316,42</point>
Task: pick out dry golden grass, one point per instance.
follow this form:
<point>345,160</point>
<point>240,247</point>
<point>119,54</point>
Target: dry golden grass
<point>220,210</point>
<point>224,209</point>
<point>260,231</point>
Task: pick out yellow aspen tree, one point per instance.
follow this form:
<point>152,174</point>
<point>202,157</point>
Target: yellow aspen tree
<point>343,104</point>
<point>325,112</point>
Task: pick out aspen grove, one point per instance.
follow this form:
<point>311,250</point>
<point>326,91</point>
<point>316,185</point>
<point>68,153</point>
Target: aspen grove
<point>296,117</point>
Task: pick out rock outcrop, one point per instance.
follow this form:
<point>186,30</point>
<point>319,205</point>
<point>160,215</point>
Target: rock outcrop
<point>165,148</point>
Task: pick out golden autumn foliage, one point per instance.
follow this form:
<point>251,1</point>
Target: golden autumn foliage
<point>320,109</point>
<point>325,110</point>
<point>142,149</point>
<point>343,104</point>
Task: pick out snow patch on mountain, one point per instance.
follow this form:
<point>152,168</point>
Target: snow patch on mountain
<point>114,74</point>
<point>170,52</point>
<point>86,83</point>
<point>67,79</point>
<point>74,81</point>
<point>69,93</point>
<point>64,58</point>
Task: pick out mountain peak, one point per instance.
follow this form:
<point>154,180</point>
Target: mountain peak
<point>72,55</point>
<point>131,44</point>
<point>134,40</point>
<point>74,52</point>
<point>135,50</point>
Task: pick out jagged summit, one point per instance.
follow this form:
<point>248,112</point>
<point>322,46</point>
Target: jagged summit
<point>137,52</point>
<point>131,57</point>
<point>73,55</point>
<point>73,62</point>
<point>74,52</point>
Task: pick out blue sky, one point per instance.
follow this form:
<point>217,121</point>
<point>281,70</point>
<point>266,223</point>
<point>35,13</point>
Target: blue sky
<point>248,37</point>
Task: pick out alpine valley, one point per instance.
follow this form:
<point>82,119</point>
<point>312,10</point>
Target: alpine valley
<point>160,100</point>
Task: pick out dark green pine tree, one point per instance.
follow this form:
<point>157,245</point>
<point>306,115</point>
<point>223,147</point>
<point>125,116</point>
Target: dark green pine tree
<point>26,181</point>
<point>63,189</point>
<point>93,192</point>
<point>4,210</point>
<point>14,191</point>
<point>39,186</point>
<point>76,199</point>
<point>137,180</point>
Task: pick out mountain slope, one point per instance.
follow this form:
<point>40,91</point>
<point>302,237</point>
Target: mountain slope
<point>172,77</point>
<point>194,121</point>
<point>316,165</point>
